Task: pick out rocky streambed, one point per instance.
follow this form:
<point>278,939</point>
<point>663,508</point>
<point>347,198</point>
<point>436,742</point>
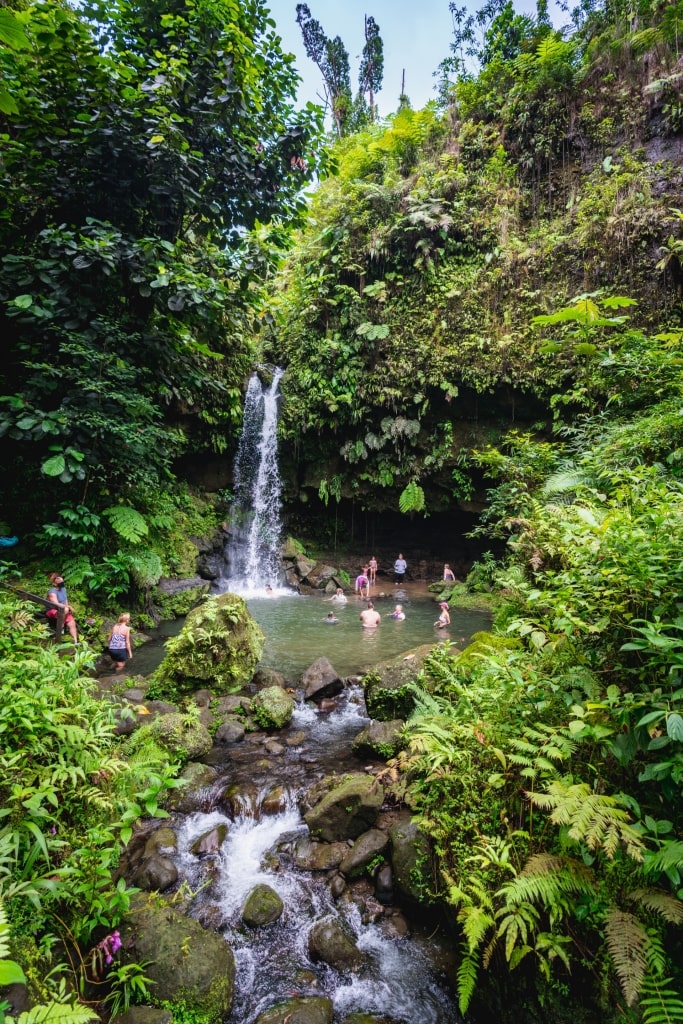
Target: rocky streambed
<point>288,885</point>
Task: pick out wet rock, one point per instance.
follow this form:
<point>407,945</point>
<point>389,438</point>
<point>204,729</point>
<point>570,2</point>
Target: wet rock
<point>265,677</point>
<point>327,704</point>
<point>272,708</point>
<point>241,798</point>
<point>160,707</point>
<point>263,906</point>
<point>347,810</point>
<point>182,734</point>
<point>380,740</point>
<point>384,885</point>
<point>136,695</point>
<point>366,1018</point>
<point>321,680</point>
<point>296,739</point>
<point>304,1010</point>
<point>144,1015</point>
<point>410,858</point>
<point>332,943</point>
<point>202,977</point>
<point>312,856</point>
<point>274,748</point>
<point>156,874</point>
<point>388,687</point>
<point>220,644</point>
<point>203,698</point>
<point>368,846</point>
<point>337,886</point>
<point>275,801</point>
<point>395,927</point>
<point>231,731</point>
<point>228,704</point>
<point>210,842</point>
<point>163,840</point>
<point>206,718</point>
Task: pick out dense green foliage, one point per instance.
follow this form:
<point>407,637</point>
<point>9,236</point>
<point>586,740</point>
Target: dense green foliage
<point>143,142</point>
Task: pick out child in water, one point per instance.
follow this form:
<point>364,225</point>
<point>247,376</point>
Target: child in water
<point>444,618</point>
<point>331,618</point>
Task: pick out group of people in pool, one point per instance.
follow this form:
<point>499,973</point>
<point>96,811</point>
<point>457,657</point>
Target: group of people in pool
<point>370,617</point>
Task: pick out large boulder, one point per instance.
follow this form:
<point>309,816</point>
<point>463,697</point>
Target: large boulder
<point>219,646</point>
<point>263,906</point>
<point>188,964</point>
<point>321,680</point>
<point>312,856</point>
<point>272,708</point>
<point>380,740</point>
<point>330,942</point>
<point>301,1010</point>
<point>196,793</point>
<point>182,734</point>
<point>348,809</point>
<point>410,859</point>
<point>388,687</point>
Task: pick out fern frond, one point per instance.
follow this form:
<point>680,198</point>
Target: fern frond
<point>627,942</point>
<point>668,858</point>
<point>55,1013</point>
<point>475,924</point>
<point>127,522</point>
<point>547,879</point>
<point>466,980</point>
<point>663,903</point>
<point>660,1004</point>
<point>593,818</point>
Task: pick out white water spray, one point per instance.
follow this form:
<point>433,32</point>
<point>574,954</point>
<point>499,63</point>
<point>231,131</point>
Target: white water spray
<point>256,526</point>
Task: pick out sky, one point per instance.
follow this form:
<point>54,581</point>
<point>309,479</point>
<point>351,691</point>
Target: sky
<point>416,37</point>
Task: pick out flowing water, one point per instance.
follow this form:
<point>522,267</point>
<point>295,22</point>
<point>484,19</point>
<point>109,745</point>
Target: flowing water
<point>253,552</point>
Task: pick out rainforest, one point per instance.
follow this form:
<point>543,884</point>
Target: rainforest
<point>477,307</point>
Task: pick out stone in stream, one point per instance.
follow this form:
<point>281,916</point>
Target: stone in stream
<point>210,842</point>
<point>186,963</point>
<point>265,677</point>
<point>231,731</point>
<point>330,942</point>
<point>321,680</point>
<point>263,906</point>
<point>348,809</point>
<point>275,801</point>
<point>196,793</point>
<point>366,848</point>
<point>143,1015</point>
<point>272,708</point>
<point>311,856</point>
<point>384,885</point>
<point>380,740</point>
<point>389,686</point>
<point>302,1010</point>
<point>410,858</point>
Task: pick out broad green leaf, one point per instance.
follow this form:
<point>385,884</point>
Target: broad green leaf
<point>54,466</point>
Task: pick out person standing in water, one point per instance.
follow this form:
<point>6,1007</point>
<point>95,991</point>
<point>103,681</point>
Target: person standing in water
<point>448,574</point>
<point>444,618</point>
<point>370,617</point>
<point>118,644</point>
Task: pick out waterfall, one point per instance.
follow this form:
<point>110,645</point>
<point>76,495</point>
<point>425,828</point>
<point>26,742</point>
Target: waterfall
<point>253,553</point>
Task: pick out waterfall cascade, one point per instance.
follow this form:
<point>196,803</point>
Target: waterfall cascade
<point>253,550</point>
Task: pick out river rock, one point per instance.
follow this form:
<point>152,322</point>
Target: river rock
<point>394,926</point>
<point>380,740</point>
<point>384,885</point>
<point>144,1015</point>
<point>265,677</point>
<point>332,943</point>
<point>337,886</point>
<point>347,810</point>
<point>220,644</point>
<point>321,680</point>
<point>388,687</point>
<point>263,906</point>
<point>273,707</point>
<point>296,739</point>
<point>410,858</point>
<point>156,874</point>
<point>182,735</point>
<point>231,731</point>
<point>275,801</point>
<point>274,748</point>
<point>228,704</point>
<point>163,840</point>
<point>186,963</point>
<point>210,842</point>
<point>203,698</point>
<point>241,798</point>
<point>196,793</point>
<point>303,1010</point>
<point>312,856</point>
<point>368,846</point>
<point>135,695</point>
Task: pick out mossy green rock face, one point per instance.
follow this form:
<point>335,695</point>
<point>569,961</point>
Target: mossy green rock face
<point>410,859</point>
<point>219,646</point>
<point>379,739</point>
<point>347,810</point>
<point>305,1010</point>
<point>263,906</point>
<point>272,708</point>
<point>387,687</point>
<point>182,735</point>
<point>187,963</point>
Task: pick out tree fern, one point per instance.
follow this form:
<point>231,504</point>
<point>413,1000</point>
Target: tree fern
<point>127,522</point>
<point>659,902</point>
<point>627,942</point>
<point>466,979</point>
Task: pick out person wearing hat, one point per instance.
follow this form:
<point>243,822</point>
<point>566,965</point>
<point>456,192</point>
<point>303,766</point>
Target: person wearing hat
<point>56,595</point>
<point>444,618</point>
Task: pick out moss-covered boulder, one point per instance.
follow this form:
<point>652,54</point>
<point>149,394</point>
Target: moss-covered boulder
<point>182,734</point>
<point>410,860</point>
<point>272,708</point>
<point>331,942</point>
<point>348,809</point>
<point>189,965</point>
<point>219,646</point>
<point>263,906</point>
<point>388,687</point>
<point>380,740</point>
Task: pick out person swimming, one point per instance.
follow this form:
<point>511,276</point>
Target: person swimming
<point>398,613</point>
